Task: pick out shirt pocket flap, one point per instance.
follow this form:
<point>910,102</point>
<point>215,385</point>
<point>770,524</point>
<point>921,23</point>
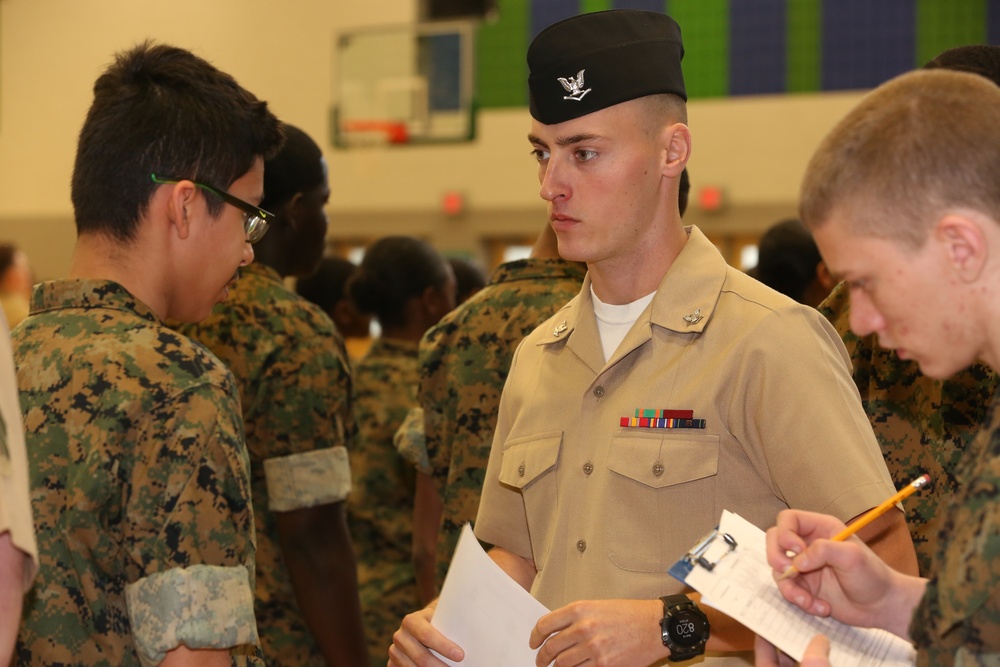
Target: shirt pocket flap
<point>527,459</point>
<point>659,462</point>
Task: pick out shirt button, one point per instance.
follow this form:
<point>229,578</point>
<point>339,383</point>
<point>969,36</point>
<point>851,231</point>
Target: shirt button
<point>588,468</point>
<point>520,470</point>
<point>598,391</point>
<point>657,470</point>
<point>581,546</point>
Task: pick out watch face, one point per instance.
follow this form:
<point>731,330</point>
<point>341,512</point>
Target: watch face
<point>687,628</point>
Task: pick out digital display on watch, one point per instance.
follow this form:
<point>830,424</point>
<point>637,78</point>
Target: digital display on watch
<point>687,628</point>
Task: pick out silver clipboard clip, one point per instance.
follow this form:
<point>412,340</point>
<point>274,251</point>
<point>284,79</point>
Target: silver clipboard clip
<point>700,554</point>
<point>699,550</point>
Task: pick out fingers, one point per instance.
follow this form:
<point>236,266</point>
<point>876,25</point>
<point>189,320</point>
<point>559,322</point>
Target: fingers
<point>764,653</point>
<point>817,653</point>
<point>412,642</point>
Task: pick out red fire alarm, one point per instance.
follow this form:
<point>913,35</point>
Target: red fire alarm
<point>452,203</point>
<point>710,198</point>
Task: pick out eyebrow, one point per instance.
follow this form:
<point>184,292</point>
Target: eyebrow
<point>567,141</point>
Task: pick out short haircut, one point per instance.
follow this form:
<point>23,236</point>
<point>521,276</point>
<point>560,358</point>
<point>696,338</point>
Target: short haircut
<point>327,284</point>
<point>394,270</point>
<point>787,259</point>
<point>916,147</point>
<point>161,109</point>
<point>297,167</point>
<point>469,277</point>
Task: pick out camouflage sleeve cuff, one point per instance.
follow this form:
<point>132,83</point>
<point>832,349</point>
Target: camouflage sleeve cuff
<point>411,441</point>
<point>201,607</point>
<point>309,479</point>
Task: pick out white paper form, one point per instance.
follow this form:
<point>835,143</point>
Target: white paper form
<point>484,611</point>
<point>741,586</point>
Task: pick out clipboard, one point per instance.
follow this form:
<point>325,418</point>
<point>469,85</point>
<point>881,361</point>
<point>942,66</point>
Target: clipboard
<point>728,566</point>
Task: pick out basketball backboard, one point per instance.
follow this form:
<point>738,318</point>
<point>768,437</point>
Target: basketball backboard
<point>404,84</point>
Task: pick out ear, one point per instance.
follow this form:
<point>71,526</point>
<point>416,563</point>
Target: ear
<point>964,243</point>
<point>180,206</point>
<point>824,277</point>
<point>677,141</point>
<point>290,216</point>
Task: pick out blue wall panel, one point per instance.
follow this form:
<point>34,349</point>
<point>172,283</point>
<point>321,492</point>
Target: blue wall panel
<point>866,42</point>
<point>757,46</point>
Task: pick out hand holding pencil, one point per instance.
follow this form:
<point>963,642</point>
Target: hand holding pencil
<point>868,517</point>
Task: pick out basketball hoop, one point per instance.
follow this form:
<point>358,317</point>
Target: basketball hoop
<point>371,132</point>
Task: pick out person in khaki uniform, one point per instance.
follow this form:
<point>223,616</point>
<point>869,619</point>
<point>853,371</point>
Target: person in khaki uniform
<point>139,473</point>
<point>586,512</point>
<point>18,551</point>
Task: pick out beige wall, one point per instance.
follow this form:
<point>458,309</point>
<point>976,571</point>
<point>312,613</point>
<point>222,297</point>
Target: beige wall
<point>52,50</point>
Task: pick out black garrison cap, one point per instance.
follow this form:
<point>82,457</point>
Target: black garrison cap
<point>593,61</point>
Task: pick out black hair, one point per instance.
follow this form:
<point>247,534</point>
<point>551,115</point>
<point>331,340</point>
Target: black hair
<point>161,109</point>
<point>469,277</point>
<point>683,191</point>
<point>394,270</point>
<point>328,283</point>
<point>8,251</point>
<point>981,59</point>
<point>297,167</point>
<point>787,259</point>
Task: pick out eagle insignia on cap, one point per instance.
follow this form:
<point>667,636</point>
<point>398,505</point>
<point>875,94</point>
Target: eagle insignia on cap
<point>573,86</point>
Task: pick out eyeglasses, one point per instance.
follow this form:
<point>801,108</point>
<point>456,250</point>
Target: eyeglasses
<point>255,219</point>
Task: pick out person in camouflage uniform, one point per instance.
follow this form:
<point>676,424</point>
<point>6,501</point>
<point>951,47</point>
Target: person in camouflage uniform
<point>902,199</point>
<point>139,474</point>
<point>464,361</point>
<point>922,424</point>
<point>295,390</point>
<point>408,287</point>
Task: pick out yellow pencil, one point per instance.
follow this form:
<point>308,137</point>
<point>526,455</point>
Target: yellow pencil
<point>868,517</point>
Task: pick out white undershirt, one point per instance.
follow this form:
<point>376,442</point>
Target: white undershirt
<point>613,322</point>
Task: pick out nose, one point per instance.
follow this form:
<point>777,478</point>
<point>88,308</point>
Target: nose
<point>865,317</point>
<point>553,184</point>
<point>247,254</point>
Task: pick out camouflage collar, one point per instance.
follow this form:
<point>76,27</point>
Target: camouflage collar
<point>537,269</point>
<point>87,293</point>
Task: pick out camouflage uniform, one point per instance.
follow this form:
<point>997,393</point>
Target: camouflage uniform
<point>958,620</point>
<point>15,502</point>
<point>381,503</point>
<point>140,485</point>
<point>464,362</point>
<point>922,425</point>
<point>295,385</point>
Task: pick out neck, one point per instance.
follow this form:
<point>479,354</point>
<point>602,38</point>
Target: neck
<point>100,257</point>
<point>622,280</point>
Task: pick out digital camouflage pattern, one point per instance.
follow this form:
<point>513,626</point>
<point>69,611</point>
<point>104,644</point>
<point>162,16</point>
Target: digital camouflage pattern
<point>464,361</point>
<point>411,442</point>
<point>295,385</point>
<point>958,620</point>
<point>922,425</point>
<point>138,470</point>
<point>381,502</point>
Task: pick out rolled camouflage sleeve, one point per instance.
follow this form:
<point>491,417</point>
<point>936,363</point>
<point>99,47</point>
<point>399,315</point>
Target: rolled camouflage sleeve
<point>411,441</point>
<point>309,479</point>
<point>190,527</point>
<point>201,607</point>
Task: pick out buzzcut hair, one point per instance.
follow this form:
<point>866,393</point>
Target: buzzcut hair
<point>161,109</point>
<point>918,146</point>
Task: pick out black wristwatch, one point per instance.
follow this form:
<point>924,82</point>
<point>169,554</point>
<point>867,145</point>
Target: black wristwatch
<point>684,627</point>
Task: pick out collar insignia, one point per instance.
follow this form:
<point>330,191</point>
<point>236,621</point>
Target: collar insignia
<point>573,86</point>
<point>694,317</point>
<point>560,330</point>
